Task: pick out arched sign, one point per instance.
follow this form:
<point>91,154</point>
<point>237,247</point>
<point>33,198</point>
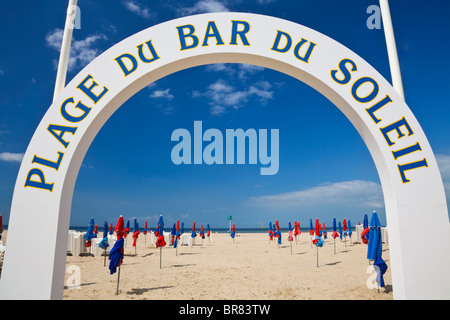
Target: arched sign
<point>411,182</point>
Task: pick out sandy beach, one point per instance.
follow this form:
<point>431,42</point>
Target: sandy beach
<point>250,268</point>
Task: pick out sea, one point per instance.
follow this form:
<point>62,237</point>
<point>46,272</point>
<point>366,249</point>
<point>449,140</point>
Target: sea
<point>214,230</point>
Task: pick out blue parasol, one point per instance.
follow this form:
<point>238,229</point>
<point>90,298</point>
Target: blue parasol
<point>177,235</point>
<point>160,242</point>
<point>208,231</point>
<point>374,248</point>
<point>89,233</point>
<point>366,221</point>
<point>365,232</point>
<point>136,233</point>
<point>233,231</point>
<point>349,229</point>
<point>116,254</point>
<point>193,233</point>
<point>104,242</point>
<point>340,229</point>
<point>334,234</point>
<point>174,231</point>
<point>270,233</point>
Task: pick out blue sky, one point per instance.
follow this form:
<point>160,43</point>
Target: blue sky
<point>325,169</point>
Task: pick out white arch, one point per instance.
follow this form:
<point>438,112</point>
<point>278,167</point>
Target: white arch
<point>35,270</point>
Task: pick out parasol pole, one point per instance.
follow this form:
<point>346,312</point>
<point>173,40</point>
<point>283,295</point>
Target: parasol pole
<point>118,279</point>
<point>65,49</point>
<point>160,257</point>
<point>317,248</point>
<point>291,247</point>
<point>104,262</point>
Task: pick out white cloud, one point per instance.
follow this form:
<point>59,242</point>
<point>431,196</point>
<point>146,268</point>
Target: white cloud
<point>138,10</point>
<point>204,6</point>
<point>354,193</point>
<point>11,157</point>
<point>81,51</point>
<point>223,95</point>
<point>165,94</point>
<point>265,1</point>
<point>217,110</point>
<point>248,69</point>
<point>221,67</point>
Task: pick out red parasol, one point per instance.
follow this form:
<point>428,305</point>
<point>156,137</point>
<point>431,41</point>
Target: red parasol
<point>277,226</point>
<point>116,254</point>
<point>345,231</point>
<point>119,232</point>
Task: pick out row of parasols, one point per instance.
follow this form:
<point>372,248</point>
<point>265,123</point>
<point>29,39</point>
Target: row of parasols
<point>371,236</point>
<point>116,254</point>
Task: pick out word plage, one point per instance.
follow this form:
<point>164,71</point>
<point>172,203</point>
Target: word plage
<point>235,147</point>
